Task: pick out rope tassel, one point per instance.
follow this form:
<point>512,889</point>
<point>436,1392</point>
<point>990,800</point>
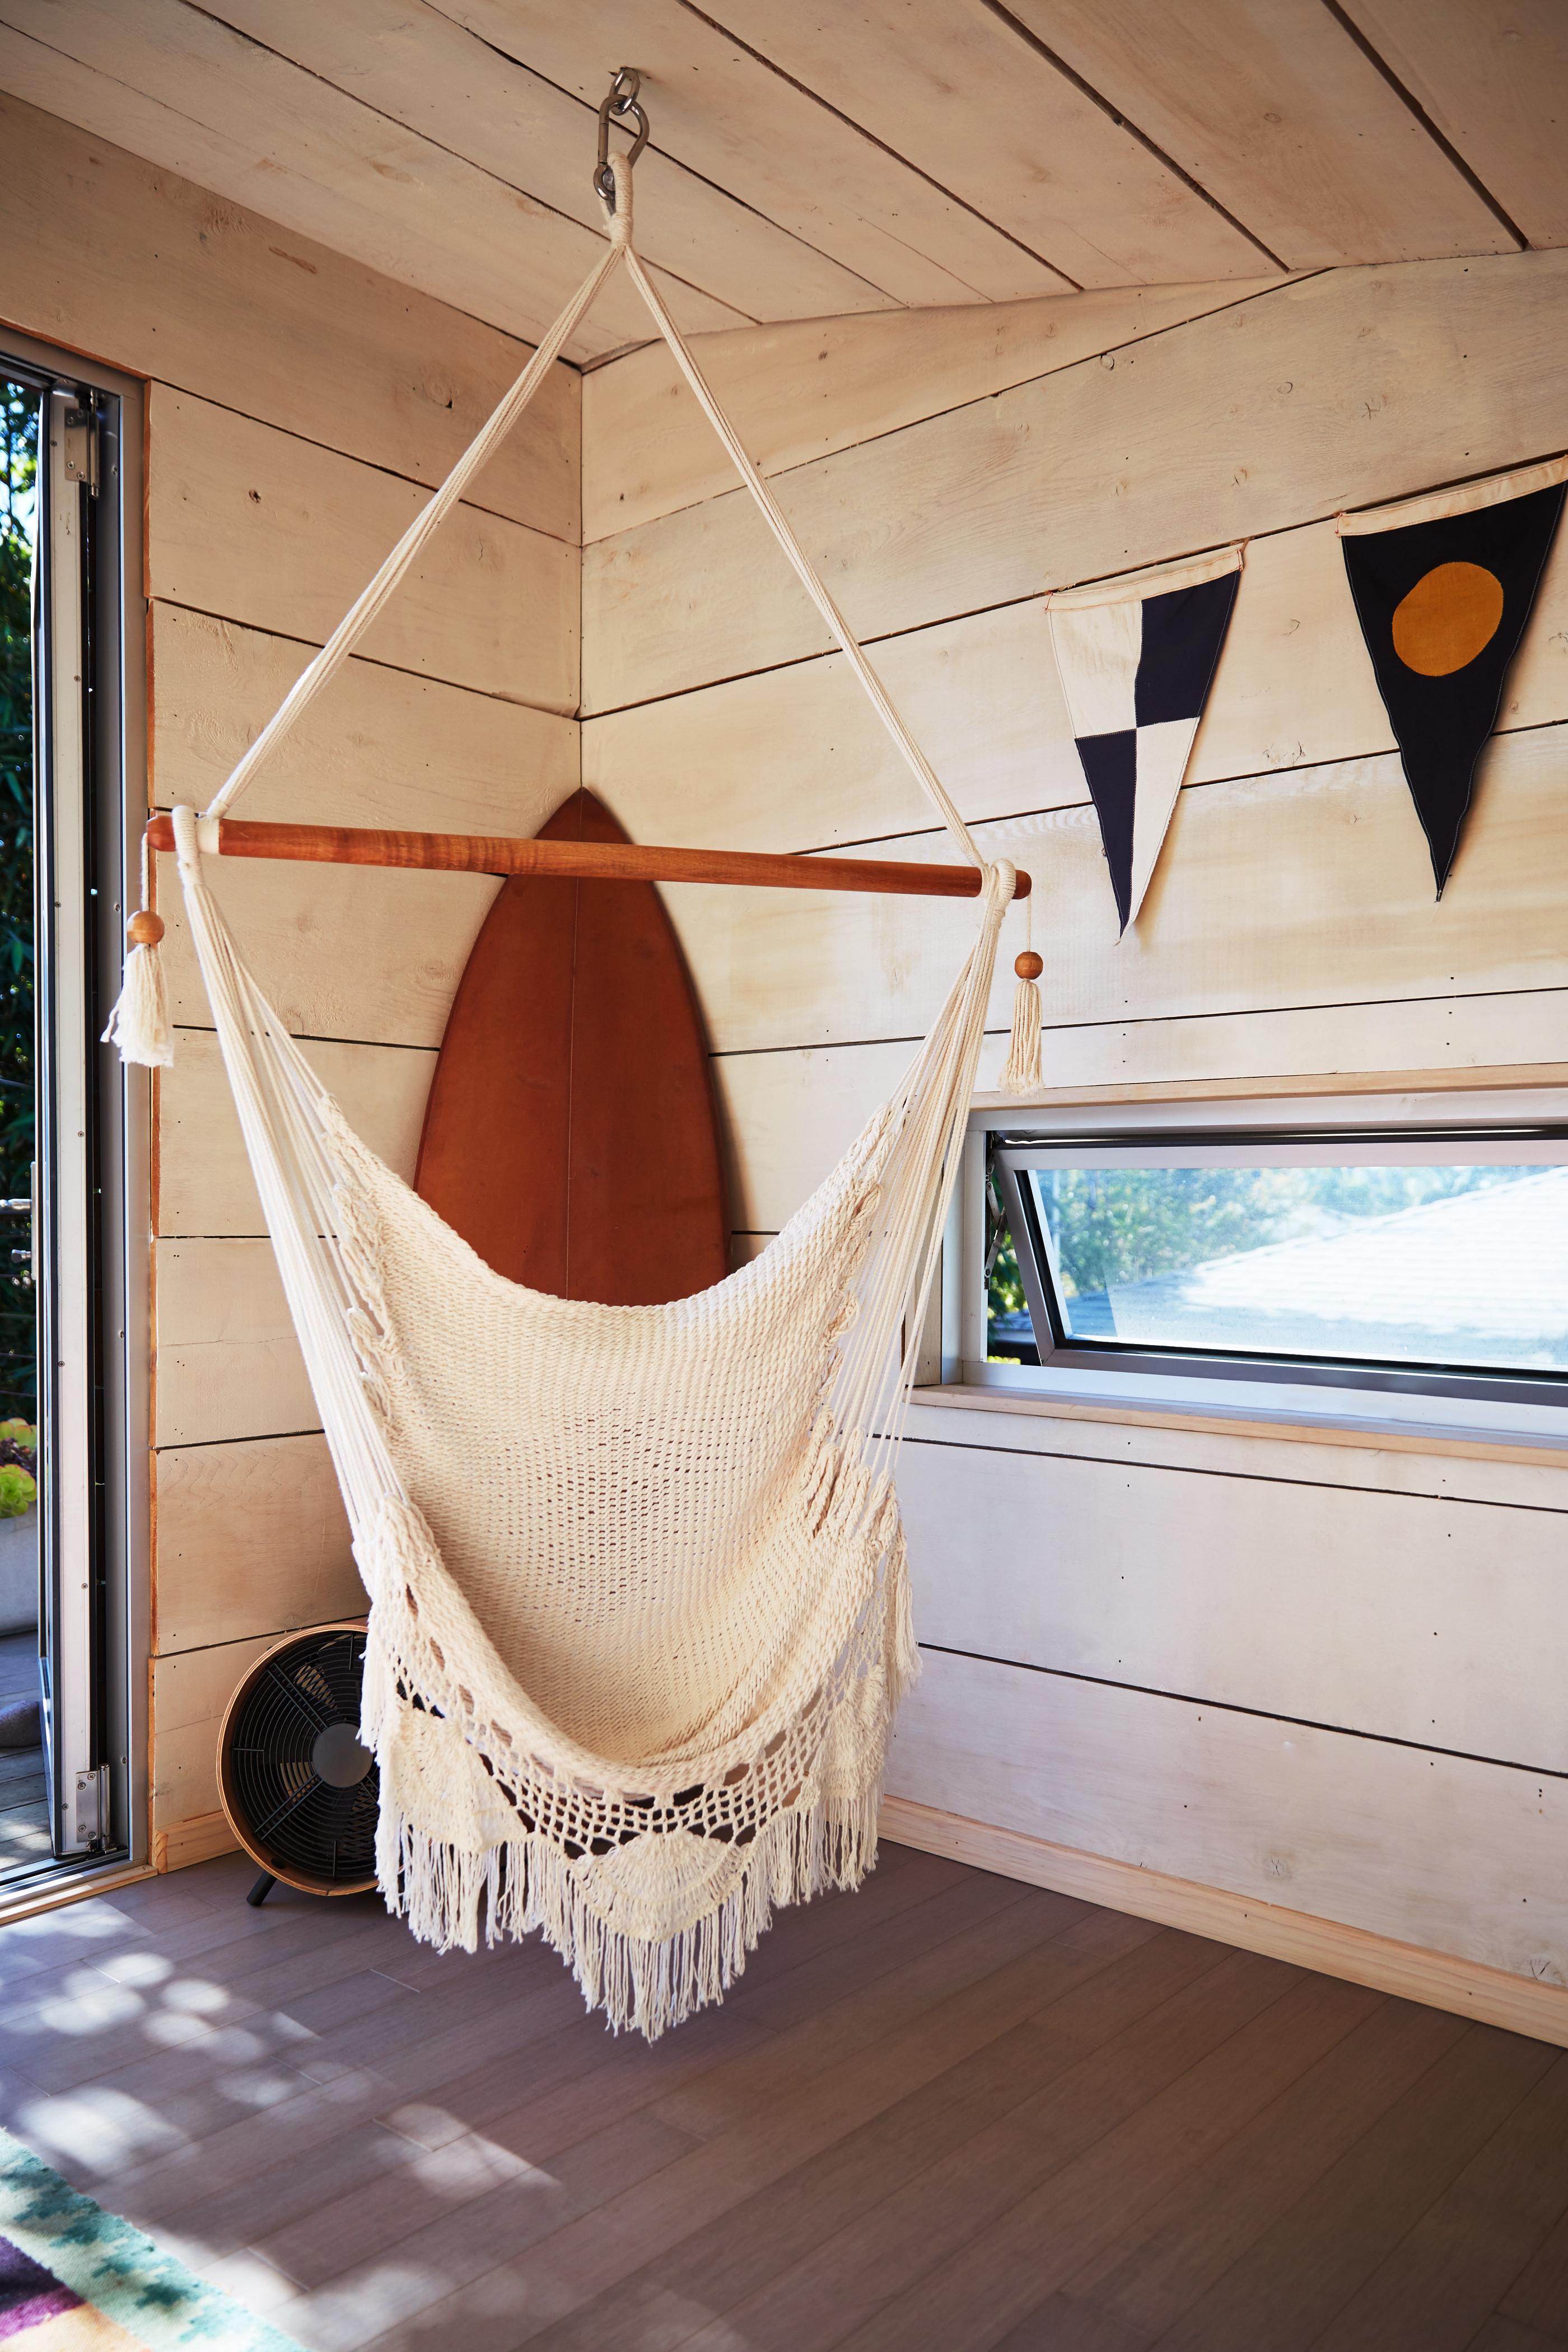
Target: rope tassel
<point>138,1024</point>
<point>1021,1072</point>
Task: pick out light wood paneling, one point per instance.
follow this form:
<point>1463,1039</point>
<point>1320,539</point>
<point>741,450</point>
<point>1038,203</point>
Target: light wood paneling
<point>171,83</point>
<point>203,1179</point>
<point>257,526</point>
<point>1335,1436</point>
<point>417,66</point>
<point>1321,873</point>
<point>955,81</point>
<point>229,1364</point>
<point>789,1115</point>
<point>380,748</point>
<point>795,393</point>
<point>1494,1997</point>
<point>1439,1466</point>
<point>1282,118</point>
<point>107,255</point>
<point>190,1692</point>
<point>1410,1617</point>
<point>800,168</point>
<point>809,170</point>
<point>411,934</point>
<point>1330,392</point>
<point>269,1511</point>
<point>787,1119</point>
<point>1523,1033</point>
<point>796,759</point>
<point>1455,1855</point>
<point>1493,77</point>
<point>201,1840</point>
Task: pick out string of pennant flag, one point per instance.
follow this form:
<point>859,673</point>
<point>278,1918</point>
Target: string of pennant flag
<point>1443,587</point>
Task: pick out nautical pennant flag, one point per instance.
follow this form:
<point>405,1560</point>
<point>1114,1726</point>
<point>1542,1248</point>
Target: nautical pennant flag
<point>1137,655</point>
<point>1443,587</point>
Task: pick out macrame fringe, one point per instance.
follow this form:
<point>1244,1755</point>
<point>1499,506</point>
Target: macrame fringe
<point>640,1984</point>
<point>1021,1072</point>
<point>138,1024</point>
<point>906,1657</point>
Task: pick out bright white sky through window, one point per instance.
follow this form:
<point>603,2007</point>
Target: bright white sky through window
<point>1414,1265</point>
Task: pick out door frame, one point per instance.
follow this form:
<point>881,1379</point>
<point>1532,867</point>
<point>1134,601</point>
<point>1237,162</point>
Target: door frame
<point>109,1381</point>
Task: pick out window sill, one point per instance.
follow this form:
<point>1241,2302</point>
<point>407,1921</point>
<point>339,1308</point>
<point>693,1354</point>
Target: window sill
<point>1361,1430</point>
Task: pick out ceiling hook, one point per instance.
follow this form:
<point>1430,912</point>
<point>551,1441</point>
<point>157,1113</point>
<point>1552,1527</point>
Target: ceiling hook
<point>620,100</point>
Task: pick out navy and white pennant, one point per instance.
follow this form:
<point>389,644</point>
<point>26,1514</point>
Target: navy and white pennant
<point>1136,656</point>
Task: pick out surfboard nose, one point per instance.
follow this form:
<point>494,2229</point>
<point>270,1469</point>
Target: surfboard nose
<point>570,1134</point>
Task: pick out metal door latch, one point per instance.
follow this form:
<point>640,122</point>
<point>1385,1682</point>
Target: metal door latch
<point>80,446</point>
<point>91,1819</point>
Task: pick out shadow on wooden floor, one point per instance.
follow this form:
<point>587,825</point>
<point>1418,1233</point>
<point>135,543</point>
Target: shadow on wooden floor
<point>946,2113</point>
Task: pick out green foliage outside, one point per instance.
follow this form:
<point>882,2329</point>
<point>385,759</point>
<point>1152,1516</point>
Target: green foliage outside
<point>1006,1288</point>
<point>1131,1225</point>
<point>18,1467</point>
<point>18,464</point>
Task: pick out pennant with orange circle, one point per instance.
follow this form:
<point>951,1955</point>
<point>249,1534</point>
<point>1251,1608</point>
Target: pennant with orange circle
<point>1443,587</point>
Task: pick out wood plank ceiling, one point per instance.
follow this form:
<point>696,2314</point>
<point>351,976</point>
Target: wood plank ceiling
<point>808,160</point>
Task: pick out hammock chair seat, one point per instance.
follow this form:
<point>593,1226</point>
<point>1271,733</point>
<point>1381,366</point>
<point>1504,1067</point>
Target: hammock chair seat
<point>639,1614</point>
<point>581,1477</point>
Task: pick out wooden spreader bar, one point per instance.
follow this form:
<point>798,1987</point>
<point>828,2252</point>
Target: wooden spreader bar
<point>614,861</point>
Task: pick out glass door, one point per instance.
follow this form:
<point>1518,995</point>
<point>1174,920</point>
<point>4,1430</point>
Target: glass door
<point>66,1513</point>
<point>26,1838</point>
<point>70,434</point>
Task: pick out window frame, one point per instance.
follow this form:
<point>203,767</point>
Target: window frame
<point>1506,1124</point>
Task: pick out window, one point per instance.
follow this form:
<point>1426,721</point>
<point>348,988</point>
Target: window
<point>1402,1257</point>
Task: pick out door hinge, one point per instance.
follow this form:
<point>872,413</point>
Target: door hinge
<point>80,446</point>
<point>91,1819</point>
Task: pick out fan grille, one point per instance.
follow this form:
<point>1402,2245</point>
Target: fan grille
<point>300,1825</point>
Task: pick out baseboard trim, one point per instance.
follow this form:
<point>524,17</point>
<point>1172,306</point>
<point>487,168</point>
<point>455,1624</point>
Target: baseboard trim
<point>198,1840</point>
<point>1440,1979</point>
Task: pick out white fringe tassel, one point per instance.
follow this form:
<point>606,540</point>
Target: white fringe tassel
<point>448,1897</point>
<point>138,1024</point>
<point>1021,1072</point>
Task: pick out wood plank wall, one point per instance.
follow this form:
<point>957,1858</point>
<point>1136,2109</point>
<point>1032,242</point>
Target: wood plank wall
<point>1320,1675</point>
<point>1317,1675</point>
<point>299,406</point>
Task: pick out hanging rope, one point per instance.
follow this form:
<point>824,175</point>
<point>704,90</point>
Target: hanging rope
<point>369,606</point>
<point>138,1024</point>
<point>639,1612</point>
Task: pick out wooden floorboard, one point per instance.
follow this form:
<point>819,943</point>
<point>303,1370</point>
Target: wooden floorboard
<point>1500,2334</point>
<point>24,1813</point>
<point>19,1665</point>
<point>951,2114</point>
<point>1173,2251</point>
<point>1538,2297</point>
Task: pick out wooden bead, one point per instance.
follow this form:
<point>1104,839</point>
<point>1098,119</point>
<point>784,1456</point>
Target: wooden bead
<point>1028,966</point>
<point>144,930</point>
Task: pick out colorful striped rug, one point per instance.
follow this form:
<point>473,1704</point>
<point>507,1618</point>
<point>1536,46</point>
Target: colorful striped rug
<point>76,2279</point>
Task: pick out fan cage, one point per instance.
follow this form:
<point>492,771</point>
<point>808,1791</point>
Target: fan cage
<point>300,1829</point>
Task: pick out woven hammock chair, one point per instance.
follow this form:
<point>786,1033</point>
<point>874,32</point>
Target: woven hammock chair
<point>638,1607</point>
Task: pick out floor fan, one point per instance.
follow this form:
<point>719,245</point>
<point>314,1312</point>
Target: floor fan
<point>298,1787</point>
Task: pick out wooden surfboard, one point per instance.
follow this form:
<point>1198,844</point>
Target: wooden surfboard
<point>570,1134</point>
